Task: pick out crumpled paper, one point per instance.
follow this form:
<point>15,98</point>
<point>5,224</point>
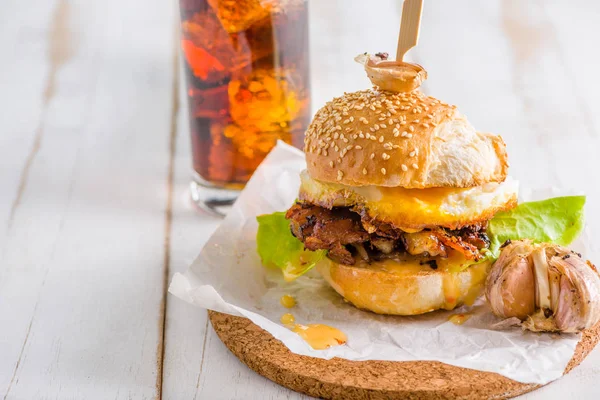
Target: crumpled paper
<point>228,277</point>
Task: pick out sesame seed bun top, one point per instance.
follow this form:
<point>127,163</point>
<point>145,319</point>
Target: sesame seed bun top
<point>410,140</point>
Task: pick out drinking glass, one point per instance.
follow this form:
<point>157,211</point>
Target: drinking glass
<point>247,77</point>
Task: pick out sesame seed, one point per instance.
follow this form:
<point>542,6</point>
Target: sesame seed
<point>336,135</point>
<point>404,167</point>
<point>319,151</point>
<point>381,139</point>
<point>426,125</point>
<point>416,121</point>
<point>357,147</point>
<point>390,121</point>
<point>411,128</point>
<point>403,122</point>
<point>372,156</point>
<point>404,134</point>
<point>331,164</point>
<point>376,127</point>
<point>351,119</point>
<point>339,128</point>
<point>387,146</point>
<point>325,153</point>
<point>409,135</point>
<point>385,156</point>
<point>355,136</point>
<point>364,171</point>
<point>383,171</point>
<point>360,135</point>
<point>382,118</point>
<point>412,153</point>
<point>372,129</point>
<point>345,140</point>
<point>373,137</point>
<point>340,175</point>
<point>346,121</point>
<point>415,166</point>
<point>383,126</point>
<point>336,148</point>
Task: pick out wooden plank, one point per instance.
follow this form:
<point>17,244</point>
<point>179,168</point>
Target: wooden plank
<point>186,326</point>
<point>196,363</point>
<point>82,274</point>
<point>24,79</point>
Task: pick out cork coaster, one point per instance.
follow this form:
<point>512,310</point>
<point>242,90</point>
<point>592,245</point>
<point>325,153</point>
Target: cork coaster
<point>349,380</point>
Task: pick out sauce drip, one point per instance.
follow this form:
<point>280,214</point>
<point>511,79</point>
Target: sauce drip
<point>287,301</point>
<point>320,336</point>
<point>459,319</point>
<point>451,285</point>
<point>287,319</point>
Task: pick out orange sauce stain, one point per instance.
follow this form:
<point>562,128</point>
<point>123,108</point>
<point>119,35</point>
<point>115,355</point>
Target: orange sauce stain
<point>319,336</point>
<point>459,319</point>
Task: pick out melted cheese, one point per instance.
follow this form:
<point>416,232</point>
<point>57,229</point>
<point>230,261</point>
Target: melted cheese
<point>414,209</point>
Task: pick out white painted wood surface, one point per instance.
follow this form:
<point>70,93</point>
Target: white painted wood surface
<point>94,162</point>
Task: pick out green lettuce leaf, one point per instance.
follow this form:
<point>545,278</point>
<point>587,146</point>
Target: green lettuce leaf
<point>278,248</point>
<point>558,220</point>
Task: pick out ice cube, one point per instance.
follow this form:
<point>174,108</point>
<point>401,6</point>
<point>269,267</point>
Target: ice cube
<point>239,15</point>
<point>209,50</point>
<point>266,100</point>
<point>208,103</point>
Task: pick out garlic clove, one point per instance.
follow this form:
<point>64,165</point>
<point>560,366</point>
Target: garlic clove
<point>579,299</point>
<point>542,284</point>
<point>510,287</point>
<point>568,316</point>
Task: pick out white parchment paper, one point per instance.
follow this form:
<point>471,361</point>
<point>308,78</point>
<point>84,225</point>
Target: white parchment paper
<point>228,277</point>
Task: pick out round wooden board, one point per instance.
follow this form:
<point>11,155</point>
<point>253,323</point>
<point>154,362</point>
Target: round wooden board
<point>350,380</point>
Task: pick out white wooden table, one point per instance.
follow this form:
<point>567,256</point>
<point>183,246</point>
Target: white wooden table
<point>94,162</point>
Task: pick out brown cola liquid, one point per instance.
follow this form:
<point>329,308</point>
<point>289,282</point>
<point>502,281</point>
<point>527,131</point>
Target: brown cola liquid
<point>246,65</point>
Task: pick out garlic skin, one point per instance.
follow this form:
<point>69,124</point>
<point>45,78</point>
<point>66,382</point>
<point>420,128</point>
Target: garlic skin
<point>548,287</point>
<point>393,76</point>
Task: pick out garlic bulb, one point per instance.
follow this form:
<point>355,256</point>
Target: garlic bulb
<point>548,287</point>
<point>394,76</point>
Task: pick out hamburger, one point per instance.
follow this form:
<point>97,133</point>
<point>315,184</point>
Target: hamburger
<point>398,192</point>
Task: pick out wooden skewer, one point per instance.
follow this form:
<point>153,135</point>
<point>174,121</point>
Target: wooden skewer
<point>409,27</point>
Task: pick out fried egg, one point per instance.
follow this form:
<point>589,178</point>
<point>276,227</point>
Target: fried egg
<point>415,209</point>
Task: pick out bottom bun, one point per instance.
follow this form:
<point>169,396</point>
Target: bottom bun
<point>404,287</point>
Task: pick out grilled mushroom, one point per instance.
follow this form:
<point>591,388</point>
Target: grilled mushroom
<point>394,76</point>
